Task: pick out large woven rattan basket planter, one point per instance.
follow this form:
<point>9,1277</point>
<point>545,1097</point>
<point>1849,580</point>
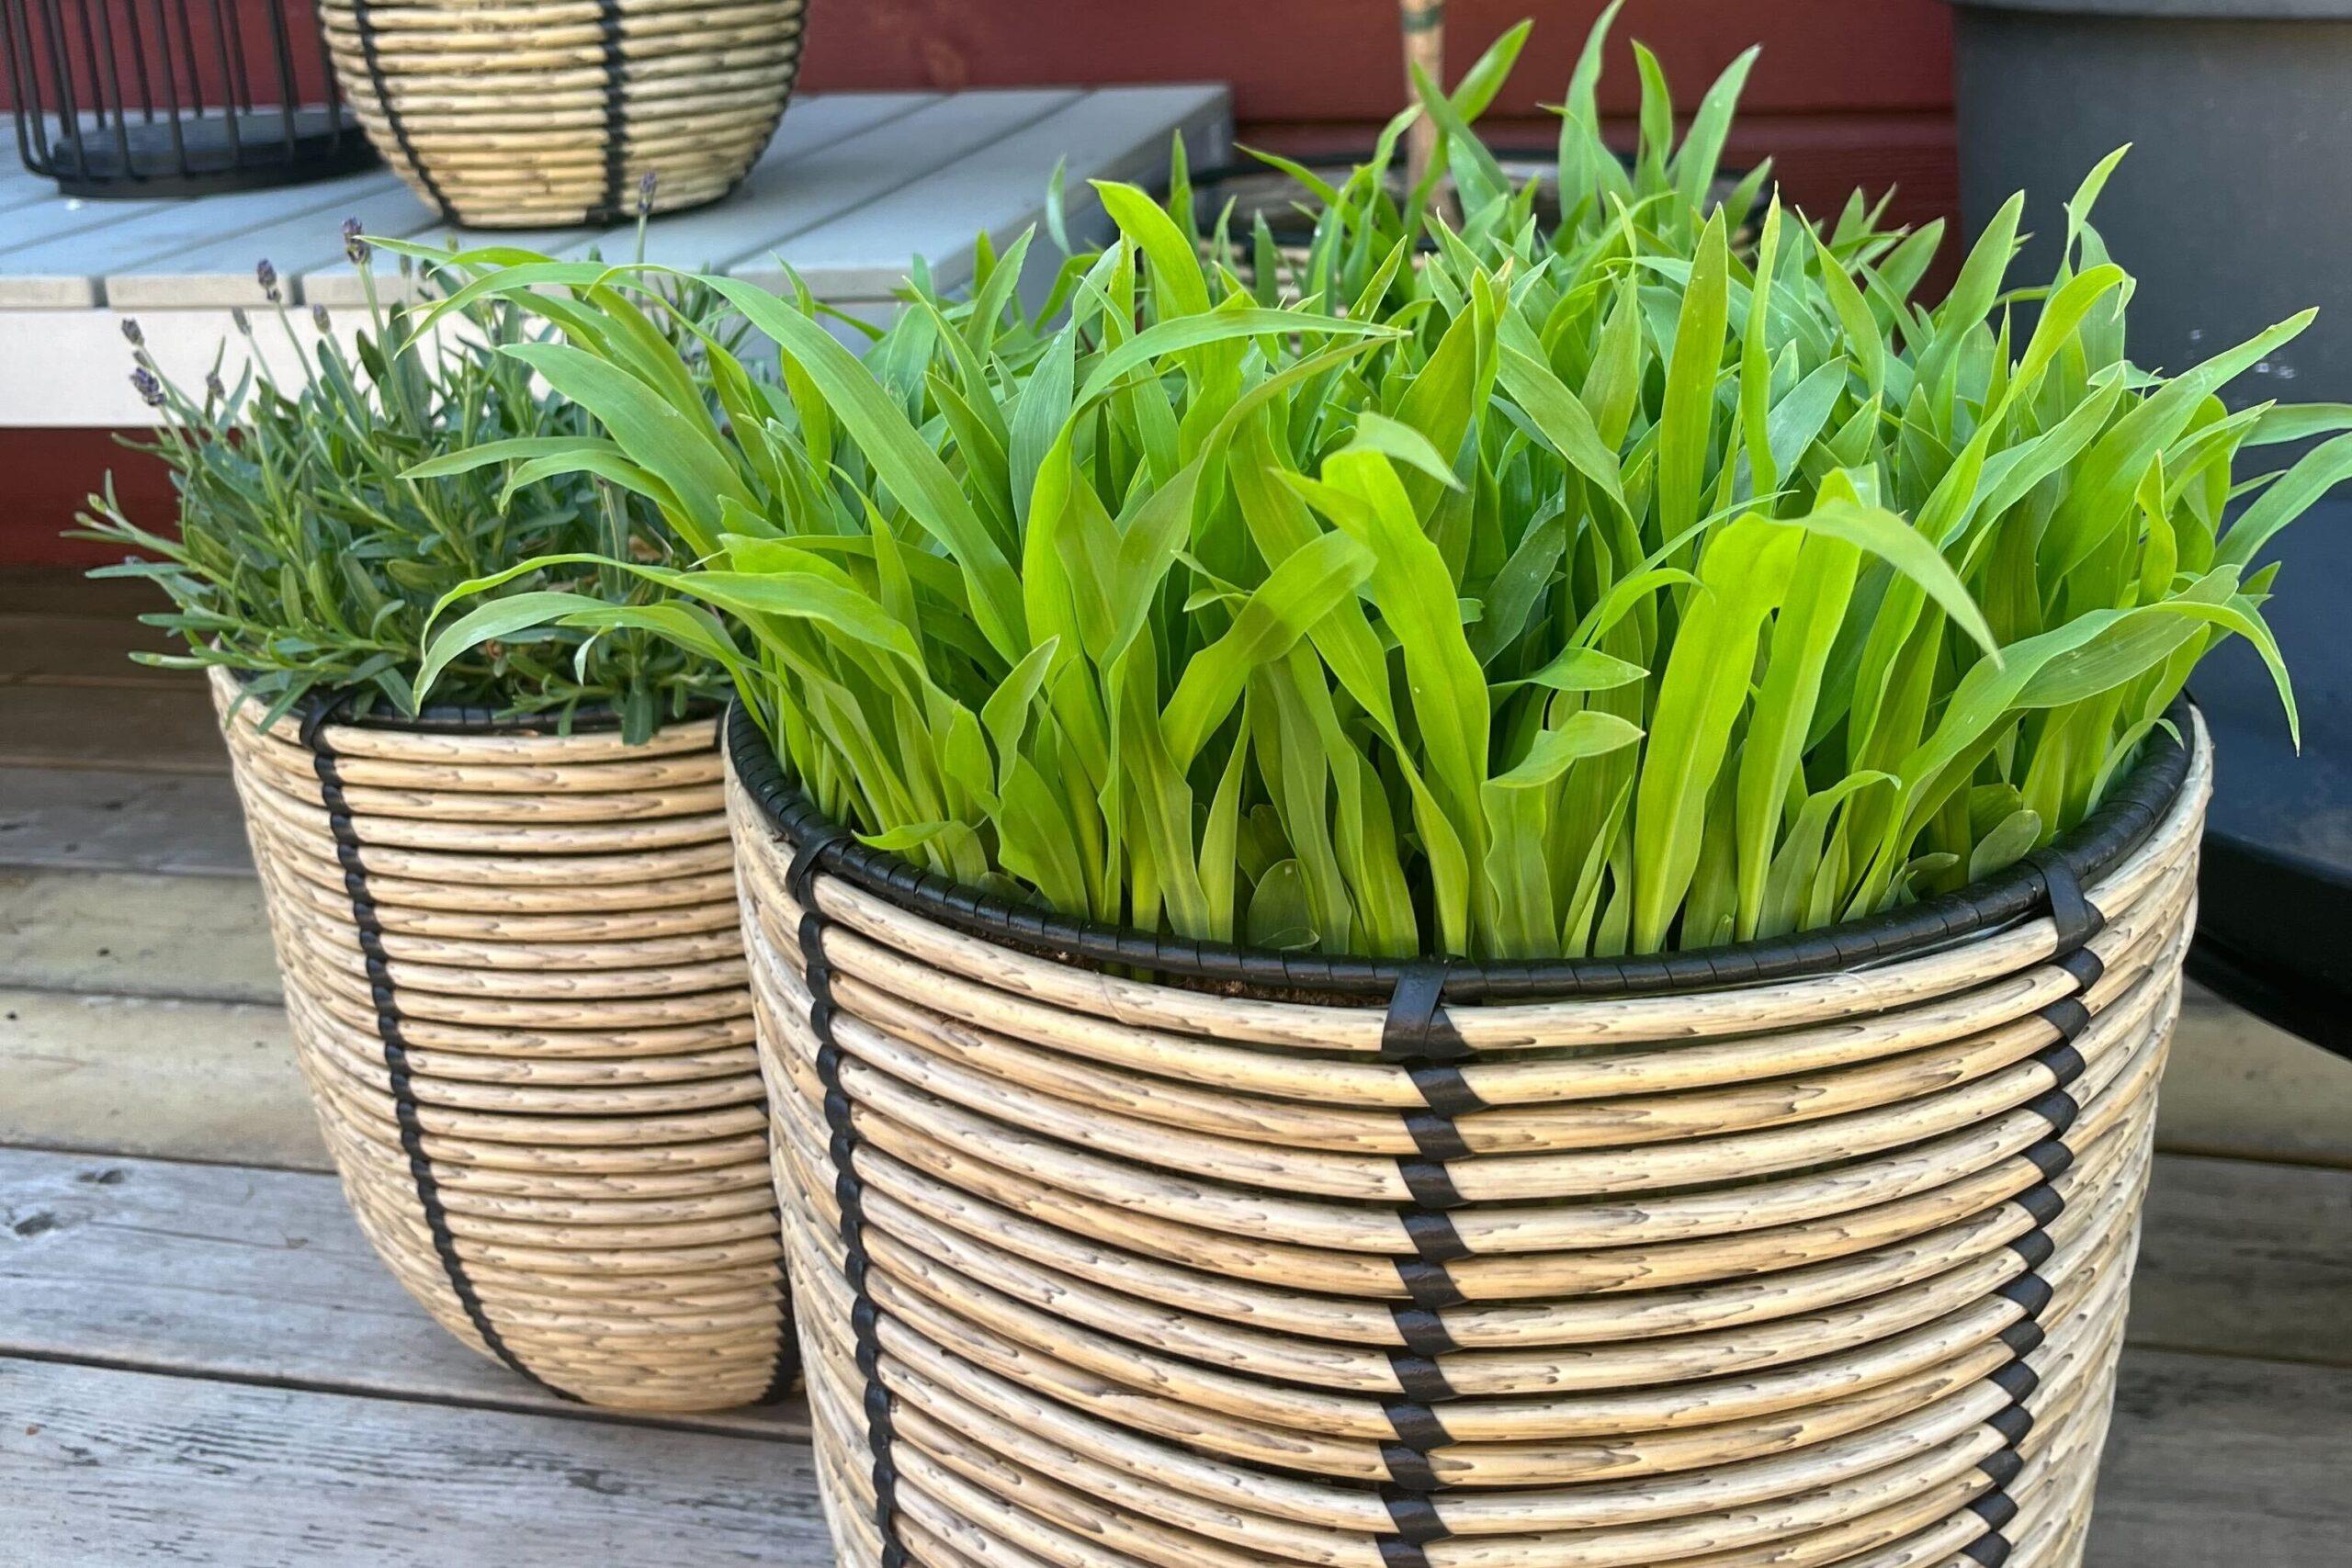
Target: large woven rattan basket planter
<point>544,113</point>
<point>1113,1251</point>
<point>517,991</point>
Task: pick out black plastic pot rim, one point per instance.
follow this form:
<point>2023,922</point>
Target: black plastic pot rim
<point>329,706</point>
<point>2122,822</point>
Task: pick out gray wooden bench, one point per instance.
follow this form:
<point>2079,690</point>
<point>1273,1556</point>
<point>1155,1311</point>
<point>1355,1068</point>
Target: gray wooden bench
<point>854,187</point>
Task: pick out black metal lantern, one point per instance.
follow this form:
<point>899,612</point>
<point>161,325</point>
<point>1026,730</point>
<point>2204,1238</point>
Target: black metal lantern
<point>175,97</point>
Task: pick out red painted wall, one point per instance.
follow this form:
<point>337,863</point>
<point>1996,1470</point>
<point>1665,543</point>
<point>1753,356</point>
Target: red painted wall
<point>1848,93</point>
<point>1309,59</point>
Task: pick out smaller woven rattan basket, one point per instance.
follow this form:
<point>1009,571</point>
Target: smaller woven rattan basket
<point>519,114</point>
<point>1113,1250</point>
<point>516,989</point>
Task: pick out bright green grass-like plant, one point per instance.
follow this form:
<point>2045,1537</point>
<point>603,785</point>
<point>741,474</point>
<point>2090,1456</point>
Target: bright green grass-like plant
<point>306,560</point>
<point>1588,592</point>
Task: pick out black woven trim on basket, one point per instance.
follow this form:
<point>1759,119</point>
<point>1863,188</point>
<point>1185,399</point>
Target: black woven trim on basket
<point>2078,920</point>
<point>2069,1017</point>
<point>849,1189</point>
<point>477,718</point>
<point>1991,1549</point>
<point>2123,821</point>
<point>2052,1157</point>
<point>2086,965</point>
<point>392,121</point>
<point>2041,1203</point>
<point>1417,1526</point>
<point>2031,1294</point>
<point>2003,1466</point>
<point>1996,1507</point>
<point>1424,1332</point>
<point>786,1371</point>
<point>1417,1034</point>
<point>2024,1336</point>
<point>608,25</point>
<point>2028,1290</point>
<point>1415,1028</point>
<point>1431,1185</point>
<point>395,1048</point>
<point>2058,1108</point>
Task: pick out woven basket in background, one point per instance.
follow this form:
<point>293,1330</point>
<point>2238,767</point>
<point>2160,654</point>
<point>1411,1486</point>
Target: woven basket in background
<point>512,114</point>
<point>517,991</point>
<point>1824,1261</point>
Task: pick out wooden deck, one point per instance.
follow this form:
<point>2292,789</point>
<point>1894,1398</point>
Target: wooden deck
<point>202,1364</point>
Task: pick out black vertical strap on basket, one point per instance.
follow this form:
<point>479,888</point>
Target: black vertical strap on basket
<point>385,106</point>
<point>1417,1034</point>
<point>2076,920</point>
<point>849,1191</point>
<point>395,1045</point>
<point>609,23</point>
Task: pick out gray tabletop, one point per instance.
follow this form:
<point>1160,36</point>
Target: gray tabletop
<point>854,187</point>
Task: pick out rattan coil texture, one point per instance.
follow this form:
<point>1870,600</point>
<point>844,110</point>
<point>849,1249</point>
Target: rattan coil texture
<point>1102,1267</point>
<point>517,987</point>
<point>548,113</point>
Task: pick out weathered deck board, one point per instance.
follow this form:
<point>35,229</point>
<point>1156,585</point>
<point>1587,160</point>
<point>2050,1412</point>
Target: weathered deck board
<point>2212,1461</point>
<point>2215,1460</point>
<point>234,1272</point>
<point>2248,1259</point>
<point>136,934</point>
<point>261,1274</point>
<point>103,820</point>
<point>2238,1087</point>
<point>101,1467</point>
<point>219,1273</point>
<point>151,1076</point>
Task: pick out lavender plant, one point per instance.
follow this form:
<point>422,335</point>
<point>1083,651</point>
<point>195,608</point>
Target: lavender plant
<point>307,559</point>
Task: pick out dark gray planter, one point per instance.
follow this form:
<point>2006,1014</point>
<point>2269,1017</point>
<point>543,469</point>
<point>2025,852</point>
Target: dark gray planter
<point>2235,208</point>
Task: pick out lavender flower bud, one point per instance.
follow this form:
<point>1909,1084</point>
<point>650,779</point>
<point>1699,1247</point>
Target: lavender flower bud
<point>132,333</point>
<point>645,188</point>
<point>214,392</point>
<point>244,322</point>
<point>319,320</point>
<point>150,390</point>
<point>267,276</point>
<point>353,245</point>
